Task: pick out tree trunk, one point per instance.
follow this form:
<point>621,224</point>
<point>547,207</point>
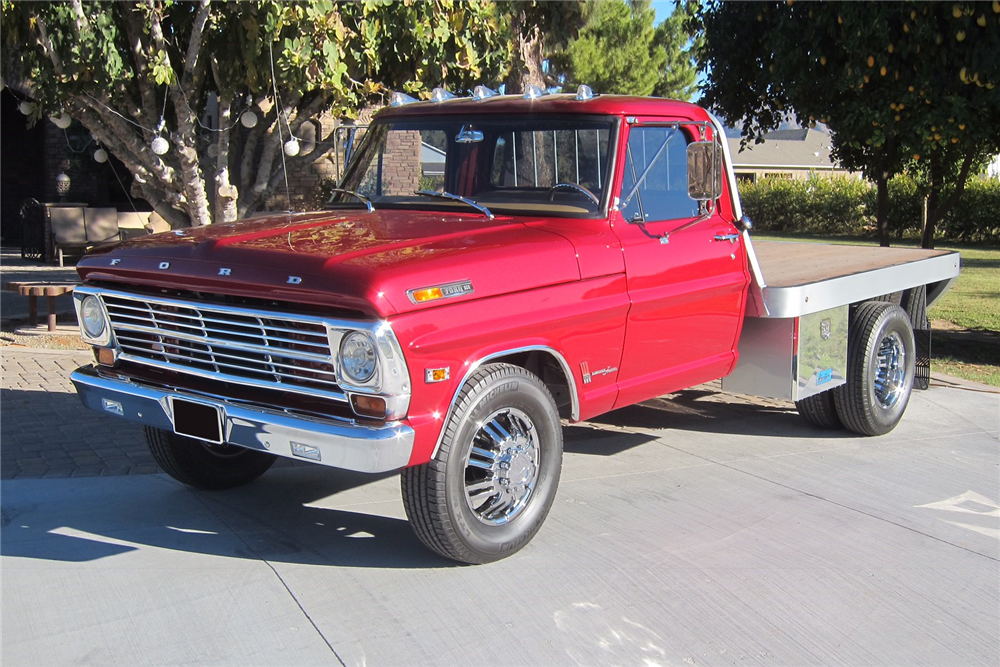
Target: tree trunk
<point>225,192</point>
<point>526,68</point>
<point>882,207</point>
<point>936,211</point>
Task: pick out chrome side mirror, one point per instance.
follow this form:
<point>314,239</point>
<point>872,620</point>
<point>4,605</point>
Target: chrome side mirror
<point>704,163</point>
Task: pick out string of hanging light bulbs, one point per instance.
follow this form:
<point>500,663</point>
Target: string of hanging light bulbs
<point>159,144</point>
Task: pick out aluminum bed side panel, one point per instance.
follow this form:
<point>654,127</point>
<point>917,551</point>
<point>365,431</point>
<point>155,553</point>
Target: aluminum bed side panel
<point>794,279</point>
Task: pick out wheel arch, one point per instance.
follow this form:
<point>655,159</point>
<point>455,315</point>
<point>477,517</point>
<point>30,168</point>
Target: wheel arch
<point>549,365</point>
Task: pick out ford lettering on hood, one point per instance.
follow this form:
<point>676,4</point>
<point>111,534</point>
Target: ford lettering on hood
<point>355,259</point>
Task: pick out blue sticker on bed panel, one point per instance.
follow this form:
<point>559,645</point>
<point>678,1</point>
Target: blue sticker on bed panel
<point>824,376</point>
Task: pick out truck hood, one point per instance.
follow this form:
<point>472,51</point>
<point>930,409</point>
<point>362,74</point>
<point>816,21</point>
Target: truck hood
<point>348,259</point>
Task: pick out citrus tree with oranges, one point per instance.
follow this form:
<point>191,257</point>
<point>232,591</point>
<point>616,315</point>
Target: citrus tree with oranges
<point>902,86</point>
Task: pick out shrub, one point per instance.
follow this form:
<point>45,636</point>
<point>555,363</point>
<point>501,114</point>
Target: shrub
<point>846,206</point>
<point>974,218</point>
<point>817,205</point>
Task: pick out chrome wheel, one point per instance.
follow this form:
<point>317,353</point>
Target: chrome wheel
<point>490,485</point>
<point>890,374</point>
<point>502,466</point>
<point>880,369</point>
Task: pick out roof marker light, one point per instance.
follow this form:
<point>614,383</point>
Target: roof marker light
<point>483,92</point>
<point>440,95</point>
<point>533,93</point>
<point>400,99</point>
<point>584,92</point>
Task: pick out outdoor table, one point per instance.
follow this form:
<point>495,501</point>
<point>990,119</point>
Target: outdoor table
<point>35,289</point>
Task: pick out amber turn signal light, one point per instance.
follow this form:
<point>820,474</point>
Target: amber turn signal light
<point>427,294</point>
<point>105,356</point>
<point>369,406</point>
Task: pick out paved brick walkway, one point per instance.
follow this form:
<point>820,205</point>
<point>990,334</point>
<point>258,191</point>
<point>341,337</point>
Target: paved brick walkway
<point>46,432</point>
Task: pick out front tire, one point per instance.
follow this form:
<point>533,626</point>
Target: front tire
<point>881,357</point>
<point>491,485</point>
<point>204,465</point>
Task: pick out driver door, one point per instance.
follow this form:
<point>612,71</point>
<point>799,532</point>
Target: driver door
<point>686,284</point>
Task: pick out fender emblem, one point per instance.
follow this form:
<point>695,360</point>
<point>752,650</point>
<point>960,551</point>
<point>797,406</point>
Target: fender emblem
<point>225,272</point>
<point>589,375</point>
<point>294,280</point>
<point>164,265</point>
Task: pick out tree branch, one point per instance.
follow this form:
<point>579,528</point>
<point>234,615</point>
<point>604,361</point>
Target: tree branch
<point>81,18</point>
<point>47,46</point>
<point>225,193</point>
<point>184,140</point>
<point>134,34</point>
<point>191,79</point>
<point>130,142</point>
<point>963,176</point>
<point>271,147</point>
<point>250,152</point>
<point>169,213</point>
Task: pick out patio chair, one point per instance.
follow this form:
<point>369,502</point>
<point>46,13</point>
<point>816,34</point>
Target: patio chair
<point>69,233</point>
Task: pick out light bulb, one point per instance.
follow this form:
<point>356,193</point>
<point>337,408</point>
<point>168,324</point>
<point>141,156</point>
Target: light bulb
<point>62,121</point>
<point>249,119</point>
<point>100,155</point>
<point>160,146</point>
<point>26,107</point>
<point>292,147</point>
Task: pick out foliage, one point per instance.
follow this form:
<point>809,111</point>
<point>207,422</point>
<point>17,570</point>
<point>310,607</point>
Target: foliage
<point>974,217</point>
<point>618,51</point>
<point>120,67</point>
<point>614,52</point>
<point>535,30</point>
<point>680,38</point>
<point>846,206</point>
<point>896,82</point>
<point>816,205</point>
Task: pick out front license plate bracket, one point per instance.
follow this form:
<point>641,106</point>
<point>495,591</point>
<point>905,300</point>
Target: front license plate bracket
<point>197,420</point>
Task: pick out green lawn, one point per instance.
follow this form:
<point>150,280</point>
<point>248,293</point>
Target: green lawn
<point>972,303</point>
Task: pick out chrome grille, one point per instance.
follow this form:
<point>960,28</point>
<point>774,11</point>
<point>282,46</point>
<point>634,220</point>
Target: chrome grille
<point>263,349</point>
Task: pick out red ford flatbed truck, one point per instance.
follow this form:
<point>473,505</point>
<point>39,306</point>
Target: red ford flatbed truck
<point>491,266</point>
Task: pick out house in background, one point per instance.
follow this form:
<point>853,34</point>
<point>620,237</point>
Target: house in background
<point>792,153</point>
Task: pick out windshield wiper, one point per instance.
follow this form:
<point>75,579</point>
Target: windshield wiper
<point>465,200</point>
<point>367,202</point>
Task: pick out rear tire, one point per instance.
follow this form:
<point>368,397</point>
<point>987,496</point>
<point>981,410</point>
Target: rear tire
<point>880,357</point>
<point>820,410</point>
<point>204,465</point>
<point>490,486</point>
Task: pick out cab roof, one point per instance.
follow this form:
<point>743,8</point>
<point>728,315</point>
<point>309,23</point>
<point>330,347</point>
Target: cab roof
<point>566,103</point>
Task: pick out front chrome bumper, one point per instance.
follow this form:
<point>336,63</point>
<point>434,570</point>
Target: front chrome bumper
<point>349,446</point>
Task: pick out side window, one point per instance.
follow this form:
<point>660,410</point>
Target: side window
<point>663,194</point>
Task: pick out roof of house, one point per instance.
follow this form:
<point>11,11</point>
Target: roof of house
<point>785,149</point>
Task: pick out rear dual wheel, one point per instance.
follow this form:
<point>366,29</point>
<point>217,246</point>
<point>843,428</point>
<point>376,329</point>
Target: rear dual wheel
<point>881,356</point>
<point>881,360</point>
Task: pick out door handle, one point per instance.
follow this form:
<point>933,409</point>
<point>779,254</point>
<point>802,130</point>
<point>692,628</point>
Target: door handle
<point>727,237</point>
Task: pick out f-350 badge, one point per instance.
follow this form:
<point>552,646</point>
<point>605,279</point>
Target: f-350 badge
<point>588,375</point>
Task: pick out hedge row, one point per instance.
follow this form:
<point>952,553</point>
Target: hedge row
<point>846,206</point>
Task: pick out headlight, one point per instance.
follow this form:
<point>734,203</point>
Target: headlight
<point>92,316</point>
<point>358,357</point>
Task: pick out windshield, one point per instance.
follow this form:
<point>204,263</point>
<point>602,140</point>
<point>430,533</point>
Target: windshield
<point>514,165</point>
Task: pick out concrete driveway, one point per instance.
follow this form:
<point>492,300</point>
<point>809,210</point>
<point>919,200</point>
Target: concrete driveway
<point>707,530</point>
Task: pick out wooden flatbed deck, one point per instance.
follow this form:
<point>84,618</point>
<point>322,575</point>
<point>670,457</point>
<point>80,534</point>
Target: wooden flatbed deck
<point>793,279</point>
